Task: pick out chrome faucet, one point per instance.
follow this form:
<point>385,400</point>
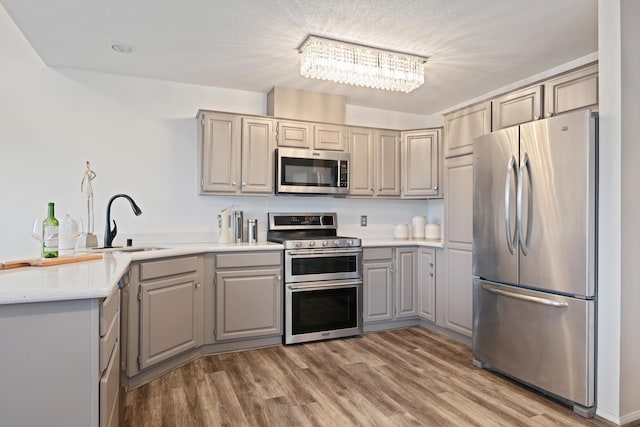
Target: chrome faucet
<point>110,234</point>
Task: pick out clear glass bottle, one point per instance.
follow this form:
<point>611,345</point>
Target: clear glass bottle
<point>50,230</point>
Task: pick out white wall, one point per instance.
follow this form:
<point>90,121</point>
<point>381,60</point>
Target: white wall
<point>140,136</point>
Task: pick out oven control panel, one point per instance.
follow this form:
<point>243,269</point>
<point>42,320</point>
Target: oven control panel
<point>320,244</point>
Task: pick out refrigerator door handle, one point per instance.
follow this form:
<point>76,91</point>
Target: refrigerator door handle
<point>512,170</point>
<point>528,298</point>
<point>524,238</point>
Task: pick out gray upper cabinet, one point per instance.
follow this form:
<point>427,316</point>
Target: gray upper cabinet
<point>421,164</point>
<point>362,168</point>
<point>236,154</point>
<point>257,155</point>
<point>330,137</point>
<point>219,152</point>
<point>572,91</point>
<point>462,126</point>
<point>517,107</point>
<point>294,134</point>
<point>387,160</point>
<point>375,162</point>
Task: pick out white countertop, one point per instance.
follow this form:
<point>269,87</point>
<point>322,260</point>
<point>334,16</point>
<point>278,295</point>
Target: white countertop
<point>390,241</point>
<point>98,278</point>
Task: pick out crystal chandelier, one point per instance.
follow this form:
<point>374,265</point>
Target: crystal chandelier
<point>360,65</point>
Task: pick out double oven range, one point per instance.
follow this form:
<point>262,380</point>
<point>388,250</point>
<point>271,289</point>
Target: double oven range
<point>323,277</point>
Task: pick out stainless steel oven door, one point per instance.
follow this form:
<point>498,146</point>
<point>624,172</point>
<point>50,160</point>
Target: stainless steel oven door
<point>312,265</point>
<point>321,310</point>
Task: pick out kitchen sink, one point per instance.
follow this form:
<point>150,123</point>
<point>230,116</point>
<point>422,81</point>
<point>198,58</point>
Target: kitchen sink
<point>121,249</point>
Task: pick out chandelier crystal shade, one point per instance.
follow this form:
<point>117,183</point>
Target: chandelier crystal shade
<point>360,65</point>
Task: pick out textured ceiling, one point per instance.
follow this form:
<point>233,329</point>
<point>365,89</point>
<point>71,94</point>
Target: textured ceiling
<point>474,46</point>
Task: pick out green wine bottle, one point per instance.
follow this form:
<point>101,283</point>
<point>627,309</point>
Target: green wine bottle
<point>50,227</point>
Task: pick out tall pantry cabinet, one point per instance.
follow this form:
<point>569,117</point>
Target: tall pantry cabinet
<point>456,299</point>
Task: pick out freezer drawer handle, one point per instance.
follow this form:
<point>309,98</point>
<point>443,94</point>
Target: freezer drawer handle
<point>512,171</point>
<point>528,298</point>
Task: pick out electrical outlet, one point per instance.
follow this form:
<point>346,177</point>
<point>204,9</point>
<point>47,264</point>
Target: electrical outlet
<point>363,220</point>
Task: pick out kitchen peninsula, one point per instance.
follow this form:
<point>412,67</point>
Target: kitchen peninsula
<point>60,328</point>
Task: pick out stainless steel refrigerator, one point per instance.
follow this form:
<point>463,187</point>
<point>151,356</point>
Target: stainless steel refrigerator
<point>534,255</point>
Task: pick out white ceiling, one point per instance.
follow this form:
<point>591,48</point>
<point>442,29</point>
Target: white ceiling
<point>474,46</point>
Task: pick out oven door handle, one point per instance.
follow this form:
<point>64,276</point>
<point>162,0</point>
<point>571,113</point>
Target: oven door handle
<point>310,286</point>
<point>324,252</point>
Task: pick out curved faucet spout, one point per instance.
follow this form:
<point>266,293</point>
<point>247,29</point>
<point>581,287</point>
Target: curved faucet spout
<point>109,233</point>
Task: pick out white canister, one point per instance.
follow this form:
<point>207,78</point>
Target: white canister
<point>401,231</point>
<point>432,231</point>
<point>418,224</point>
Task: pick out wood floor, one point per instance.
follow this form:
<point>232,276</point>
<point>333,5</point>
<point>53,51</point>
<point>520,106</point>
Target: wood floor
<point>407,377</point>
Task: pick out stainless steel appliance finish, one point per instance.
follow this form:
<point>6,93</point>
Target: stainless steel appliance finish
<point>534,255</point>
<point>312,171</point>
<point>238,226</point>
<point>323,277</point>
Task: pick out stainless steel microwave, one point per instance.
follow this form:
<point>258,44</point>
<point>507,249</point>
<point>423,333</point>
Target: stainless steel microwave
<point>300,171</point>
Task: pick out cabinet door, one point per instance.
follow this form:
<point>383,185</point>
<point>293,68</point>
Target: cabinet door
<point>426,284</point>
<point>420,163</point>
<point>454,300</point>
<point>330,137</point>
<point>362,166</point>
<point>406,283</point>
<point>462,126</point>
<point>517,107</point>
<point>248,303</point>
<point>388,162</point>
<point>378,290</point>
<point>257,155</point>
<point>294,134</point>
<point>219,153</point>
<point>572,91</point>
<point>170,315</point>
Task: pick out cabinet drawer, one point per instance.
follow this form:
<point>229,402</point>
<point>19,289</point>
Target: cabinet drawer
<point>250,259</point>
<point>108,342</point>
<point>109,389</point>
<point>167,267</point>
<point>377,253</point>
<point>108,311</point>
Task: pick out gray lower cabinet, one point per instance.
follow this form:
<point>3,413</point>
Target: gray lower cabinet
<point>406,283</point>
<point>60,362</point>
<point>165,308</point>
<point>248,295</point>
<point>377,273</point>
<point>426,276</point>
<point>390,284</point>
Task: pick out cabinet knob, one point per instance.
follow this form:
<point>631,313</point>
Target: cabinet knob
<point>197,285</point>
<point>244,184</point>
<point>233,183</point>
<point>278,278</point>
<point>435,188</point>
<point>391,270</point>
<point>550,113</point>
<point>380,188</point>
<point>431,274</point>
<point>371,189</point>
<point>430,264</point>
<point>536,117</point>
